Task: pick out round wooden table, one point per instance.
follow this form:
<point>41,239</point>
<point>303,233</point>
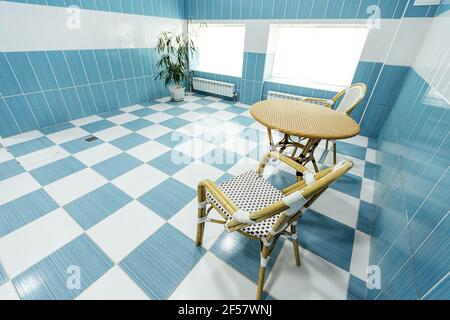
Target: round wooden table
<point>309,122</point>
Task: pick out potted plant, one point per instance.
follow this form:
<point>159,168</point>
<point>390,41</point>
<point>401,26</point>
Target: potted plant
<point>174,52</point>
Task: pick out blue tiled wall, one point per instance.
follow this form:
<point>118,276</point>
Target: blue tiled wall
<point>305,9</point>
<point>165,8</point>
<point>42,88</point>
<point>410,235</point>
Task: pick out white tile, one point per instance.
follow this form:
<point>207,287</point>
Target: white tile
<point>16,187</point>
<point>132,108</point>
<point>114,285</point>
<point>224,115</point>
<point>372,156</point>
<point>192,116</point>
<point>212,279</point>
<point>338,206</point>
<point>186,221</point>
<point>219,105</point>
<point>8,292</point>
<point>5,155</point>
<point>359,166</point>
<point>360,255</point>
<point>154,131</point>
<point>367,190</point>
<point>24,137</point>
<point>239,146</point>
<point>216,99</point>
<point>165,99</point>
<point>241,105</point>
<point>75,186</point>
<point>113,133</point>
<point>42,157</point>
<point>196,172</point>
<point>30,244</point>
<point>140,180</point>
<point>316,279</point>
<point>230,128</point>
<point>195,148</point>
<point>67,135</point>
<point>243,165</point>
<point>358,140</point>
<point>85,121</point>
<point>148,151</point>
<point>123,118</point>
<point>122,232</point>
<point>193,129</point>
<point>158,117</point>
<point>97,154</point>
<point>191,106</point>
<point>162,107</point>
<point>191,98</point>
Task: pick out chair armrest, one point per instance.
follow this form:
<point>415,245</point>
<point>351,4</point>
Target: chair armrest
<point>219,196</point>
<point>274,154</point>
<point>328,103</point>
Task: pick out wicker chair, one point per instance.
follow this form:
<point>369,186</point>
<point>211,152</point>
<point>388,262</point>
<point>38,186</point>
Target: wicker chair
<point>252,206</point>
<point>351,97</point>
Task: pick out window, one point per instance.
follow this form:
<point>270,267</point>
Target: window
<point>324,57</point>
<point>220,48</point>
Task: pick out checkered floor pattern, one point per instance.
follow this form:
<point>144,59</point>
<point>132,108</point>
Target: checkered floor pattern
<point>115,218</point>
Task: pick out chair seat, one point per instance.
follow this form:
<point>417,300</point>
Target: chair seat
<point>249,192</point>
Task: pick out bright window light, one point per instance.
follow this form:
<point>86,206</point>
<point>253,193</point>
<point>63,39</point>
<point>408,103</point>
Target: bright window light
<point>324,57</point>
<point>220,48</point>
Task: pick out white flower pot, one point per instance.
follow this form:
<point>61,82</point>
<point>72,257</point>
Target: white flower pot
<point>177,94</point>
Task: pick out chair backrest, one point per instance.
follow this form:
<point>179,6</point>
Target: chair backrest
<point>351,97</point>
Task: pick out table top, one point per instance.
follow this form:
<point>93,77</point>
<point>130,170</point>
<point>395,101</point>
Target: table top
<point>304,119</point>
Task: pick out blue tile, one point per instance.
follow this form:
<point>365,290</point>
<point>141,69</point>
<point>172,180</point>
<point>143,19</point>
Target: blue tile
<point>8,81</point>
<point>175,123</point>
<point>402,286</point>
<point>370,170</point>
<point>57,128</point>
<point>41,110</point>
<point>60,68</point>
<point>357,289</point>
<point>221,158</point>
<point>103,65</point>
<point>24,148</point>
<point>21,111</point>
<point>23,71</point>
<point>349,184</point>
<point>10,169</point>
<point>20,212</point>
<point>98,126</point>
<point>440,291</point>
<point>351,150</point>
<point>172,139</point>
<point>327,238</point>
<point>128,142</point>
<point>244,254</point>
<point>90,64</point>
<point>80,145</point>
<point>8,125</point>
<point>73,103</point>
<point>57,170</point>
<point>144,112</point>
<point>161,262</point>
<point>171,162</point>
<point>234,109</point>
<point>57,106</point>
<point>48,279</point>
<point>243,120</point>
<point>76,67</point>
<point>3,276</point>
<point>117,166</point>
<point>100,99</point>
<point>367,214</point>
<point>431,260</point>
<point>168,198</point>
<point>137,124</point>
<point>94,207</point>
<point>87,100</point>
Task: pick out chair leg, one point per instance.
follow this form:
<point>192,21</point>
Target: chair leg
<point>334,153</point>
<point>327,145</point>
<point>314,162</point>
<point>295,244</point>
<point>262,272</point>
<point>201,214</point>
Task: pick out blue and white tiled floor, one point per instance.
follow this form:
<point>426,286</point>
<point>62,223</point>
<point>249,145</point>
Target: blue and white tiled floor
<point>121,212</point>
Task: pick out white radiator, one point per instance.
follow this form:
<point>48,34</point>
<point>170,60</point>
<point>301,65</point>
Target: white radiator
<point>215,87</point>
<point>273,95</point>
